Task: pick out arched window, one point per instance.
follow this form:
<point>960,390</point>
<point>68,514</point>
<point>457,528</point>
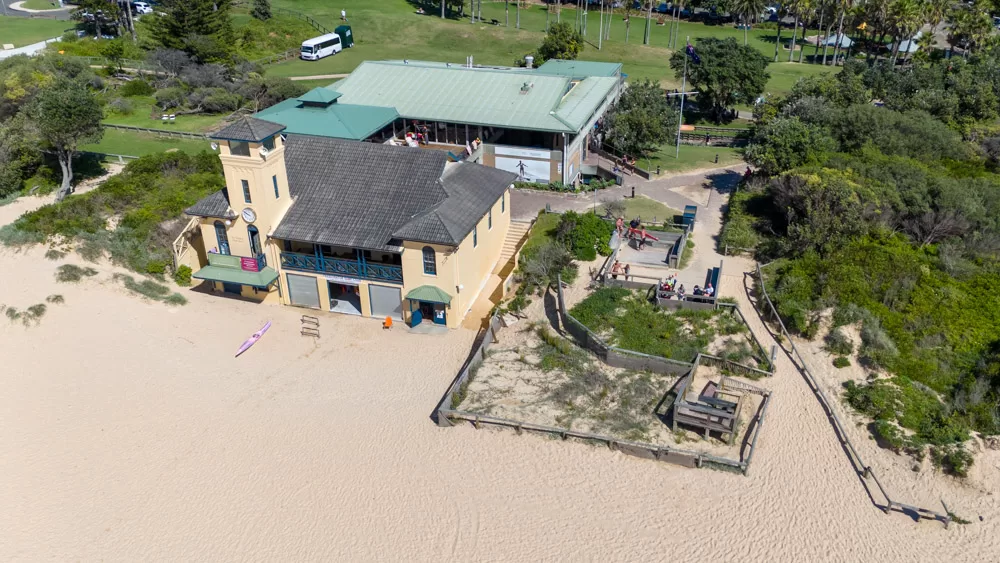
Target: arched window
<point>255,248</point>
<point>430,261</point>
<point>222,237</point>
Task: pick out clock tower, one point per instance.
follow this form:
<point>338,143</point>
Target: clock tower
<point>252,152</point>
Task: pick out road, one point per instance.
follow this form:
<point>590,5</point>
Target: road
<point>7,10</point>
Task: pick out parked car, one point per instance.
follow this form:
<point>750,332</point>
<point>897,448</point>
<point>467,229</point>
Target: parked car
<point>142,8</point>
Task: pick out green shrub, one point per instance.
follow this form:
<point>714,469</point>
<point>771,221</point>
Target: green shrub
<point>954,460</point>
<point>55,299</point>
<point>889,435</point>
<point>134,88</point>
<point>156,268</point>
<point>175,299</point>
<point>183,275</point>
<point>839,343</point>
<point>586,235</point>
<point>71,273</point>
<point>841,362</point>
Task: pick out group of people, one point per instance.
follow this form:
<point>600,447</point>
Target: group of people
<point>670,287</point>
<point>620,269</point>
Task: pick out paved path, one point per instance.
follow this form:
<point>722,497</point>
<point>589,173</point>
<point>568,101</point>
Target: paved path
<point>27,49</point>
<point>690,188</point>
<point>318,77</point>
<point>12,8</point>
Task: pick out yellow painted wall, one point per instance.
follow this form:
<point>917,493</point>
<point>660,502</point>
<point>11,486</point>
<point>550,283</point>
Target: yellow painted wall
<point>467,266</point>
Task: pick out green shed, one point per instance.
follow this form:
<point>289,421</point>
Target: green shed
<point>346,37</point>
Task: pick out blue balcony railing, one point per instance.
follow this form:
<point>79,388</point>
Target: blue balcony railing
<point>341,267</point>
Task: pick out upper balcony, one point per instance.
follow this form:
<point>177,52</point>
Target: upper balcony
<point>359,268</point>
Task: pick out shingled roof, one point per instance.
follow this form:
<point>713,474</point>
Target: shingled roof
<point>371,196</point>
<point>472,189</point>
<point>248,129</point>
<point>214,205</point>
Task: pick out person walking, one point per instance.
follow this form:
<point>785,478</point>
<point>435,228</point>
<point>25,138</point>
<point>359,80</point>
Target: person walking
<point>343,15</point>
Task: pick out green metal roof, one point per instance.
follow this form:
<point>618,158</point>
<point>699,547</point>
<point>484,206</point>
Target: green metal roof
<point>226,269</point>
<point>496,97</point>
<point>343,121</point>
<point>319,96</point>
<point>430,294</point>
<point>579,69</point>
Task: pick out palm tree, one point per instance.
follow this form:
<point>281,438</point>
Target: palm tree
<point>823,8</point>
<point>777,39</point>
<point>907,17</point>
<point>796,9</point>
<point>809,7</point>
<point>748,11</point>
<point>844,6</point>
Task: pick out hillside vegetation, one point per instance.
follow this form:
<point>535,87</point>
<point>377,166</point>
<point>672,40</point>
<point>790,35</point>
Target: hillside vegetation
<point>890,218</point>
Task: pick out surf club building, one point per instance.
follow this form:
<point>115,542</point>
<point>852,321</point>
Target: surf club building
<point>359,228</point>
<point>534,122</point>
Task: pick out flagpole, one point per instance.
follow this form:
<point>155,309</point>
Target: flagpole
<point>680,118</point>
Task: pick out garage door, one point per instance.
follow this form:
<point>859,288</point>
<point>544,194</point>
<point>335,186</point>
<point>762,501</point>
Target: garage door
<point>303,291</point>
<point>386,301</point>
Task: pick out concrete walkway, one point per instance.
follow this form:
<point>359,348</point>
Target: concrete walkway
<point>29,50</point>
<point>18,6</point>
<point>318,77</point>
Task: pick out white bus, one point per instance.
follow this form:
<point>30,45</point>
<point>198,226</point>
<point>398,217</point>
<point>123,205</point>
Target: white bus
<point>322,46</point>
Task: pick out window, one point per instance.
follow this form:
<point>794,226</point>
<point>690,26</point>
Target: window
<point>503,202</point>
<point>269,143</point>
<point>239,148</point>
<point>430,263</point>
<point>246,191</point>
<point>475,236</point>
<point>489,220</point>
<point>274,179</point>
<point>222,238</point>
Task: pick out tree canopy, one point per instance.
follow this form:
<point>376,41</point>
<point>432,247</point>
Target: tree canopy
<point>65,114</point>
<point>728,73</point>
<point>201,28</point>
<point>561,42</point>
<point>640,120</point>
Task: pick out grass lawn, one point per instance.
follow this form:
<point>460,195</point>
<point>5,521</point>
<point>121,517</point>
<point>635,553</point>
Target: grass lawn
<point>651,211</point>
<point>692,157</point>
<point>141,144</point>
<point>543,230</point>
<point>25,31</point>
<point>391,30</point>
<point>310,84</point>
<point>142,109</point>
<point>40,5</point>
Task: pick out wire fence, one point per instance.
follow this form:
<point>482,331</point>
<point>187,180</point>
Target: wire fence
<point>863,471</point>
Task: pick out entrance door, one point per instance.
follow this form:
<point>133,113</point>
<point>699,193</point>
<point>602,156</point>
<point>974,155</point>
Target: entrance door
<point>255,248</point>
<point>232,288</point>
<point>386,301</point>
<point>303,291</point>
<point>344,298</point>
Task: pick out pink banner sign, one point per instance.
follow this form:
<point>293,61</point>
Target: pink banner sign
<point>249,264</point>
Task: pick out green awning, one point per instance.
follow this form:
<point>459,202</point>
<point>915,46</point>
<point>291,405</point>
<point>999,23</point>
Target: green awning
<point>429,294</point>
<point>227,269</point>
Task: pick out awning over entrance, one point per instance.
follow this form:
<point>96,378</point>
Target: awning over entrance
<point>429,294</point>
<point>228,269</point>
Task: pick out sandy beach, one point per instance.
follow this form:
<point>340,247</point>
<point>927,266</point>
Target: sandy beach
<point>130,433</point>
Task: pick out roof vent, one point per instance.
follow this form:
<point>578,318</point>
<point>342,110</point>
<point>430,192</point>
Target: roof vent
<point>529,61</point>
<point>526,87</point>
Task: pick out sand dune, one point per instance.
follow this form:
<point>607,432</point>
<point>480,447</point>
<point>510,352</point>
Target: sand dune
<point>130,433</point>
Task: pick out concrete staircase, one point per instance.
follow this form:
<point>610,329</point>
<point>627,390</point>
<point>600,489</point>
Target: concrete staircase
<point>515,236</point>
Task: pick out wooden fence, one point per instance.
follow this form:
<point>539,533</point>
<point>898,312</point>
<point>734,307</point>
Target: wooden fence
<point>768,312</point>
<point>161,132</point>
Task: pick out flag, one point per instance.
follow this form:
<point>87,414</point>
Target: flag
<point>691,53</point>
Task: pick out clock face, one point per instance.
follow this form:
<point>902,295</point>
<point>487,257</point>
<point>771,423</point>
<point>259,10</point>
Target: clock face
<point>249,216</point>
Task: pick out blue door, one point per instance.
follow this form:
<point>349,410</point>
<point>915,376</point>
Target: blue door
<point>232,288</point>
<point>416,317</point>
<point>439,315</point>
